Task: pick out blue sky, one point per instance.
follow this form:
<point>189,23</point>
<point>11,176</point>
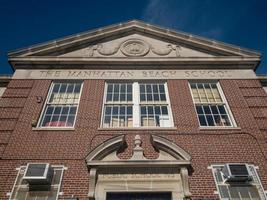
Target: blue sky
<point>28,22</point>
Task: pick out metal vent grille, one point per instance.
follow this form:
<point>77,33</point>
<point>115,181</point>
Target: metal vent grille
<point>238,169</point>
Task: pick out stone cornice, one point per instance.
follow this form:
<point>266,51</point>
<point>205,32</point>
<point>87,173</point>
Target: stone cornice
<point>209,62</point>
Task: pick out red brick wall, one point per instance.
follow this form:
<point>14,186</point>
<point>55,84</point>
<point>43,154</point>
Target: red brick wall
<point>19,143</point>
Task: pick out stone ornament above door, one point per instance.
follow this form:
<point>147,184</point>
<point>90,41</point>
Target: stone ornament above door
<point>167,173</point>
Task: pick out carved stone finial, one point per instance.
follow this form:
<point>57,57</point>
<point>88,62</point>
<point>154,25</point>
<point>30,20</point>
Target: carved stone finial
<point>137,141</point>
<point>138,152</point>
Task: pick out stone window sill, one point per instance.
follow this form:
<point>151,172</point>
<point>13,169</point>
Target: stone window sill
<point>218,128</point>
<point>138,128</point>
<point>53,129</point>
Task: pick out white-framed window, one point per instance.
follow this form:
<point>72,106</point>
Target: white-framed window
<point>210,104</point>
<point>21,187</point>
<point>136,104</point>
<point>61,105</point>
<point>251,190</point>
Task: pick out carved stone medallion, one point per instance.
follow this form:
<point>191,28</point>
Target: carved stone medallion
<point>134,47</point>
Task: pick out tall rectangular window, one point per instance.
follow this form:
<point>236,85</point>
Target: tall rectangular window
<point>118,109</point>
<point>61,105</point>
<point>136,105</point>
<point>210,105</point>
<point>153,104</point>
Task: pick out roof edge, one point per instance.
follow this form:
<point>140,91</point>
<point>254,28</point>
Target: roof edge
<point>134,23</point>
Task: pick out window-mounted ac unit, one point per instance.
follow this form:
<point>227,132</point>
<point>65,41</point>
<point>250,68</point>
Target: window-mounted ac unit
<point>236,172</point>
<point>38,174</point>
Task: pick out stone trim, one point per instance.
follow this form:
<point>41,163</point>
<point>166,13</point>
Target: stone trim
<point>185,181</point>
<point>130,74</point>
<point>92,183</point>
<point>105,148</point>
<point>169,147</point>
<point>137,26</point>
<point>180,161</point>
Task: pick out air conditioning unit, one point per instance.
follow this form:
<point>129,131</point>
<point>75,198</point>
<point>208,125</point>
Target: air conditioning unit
<point>38,175</point>
<point>236,172</point>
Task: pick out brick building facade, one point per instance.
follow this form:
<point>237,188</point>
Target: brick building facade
<point>134,111</point>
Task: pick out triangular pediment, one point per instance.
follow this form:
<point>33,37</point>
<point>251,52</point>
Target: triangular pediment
<point>135,40</point>
<point>137,45</point>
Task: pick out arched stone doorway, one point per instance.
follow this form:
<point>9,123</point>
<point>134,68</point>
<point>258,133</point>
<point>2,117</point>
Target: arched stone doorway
<point>110,175</point>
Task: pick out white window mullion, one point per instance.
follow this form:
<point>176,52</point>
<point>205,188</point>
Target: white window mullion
<point>136,105</point>
<point>168,105</point>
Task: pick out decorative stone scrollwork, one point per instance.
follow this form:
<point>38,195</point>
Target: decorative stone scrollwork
<point>107,52</point>
<point>134,47</point>
<point>89,52</point>
<point>101,49</point>
<point>169,48</point>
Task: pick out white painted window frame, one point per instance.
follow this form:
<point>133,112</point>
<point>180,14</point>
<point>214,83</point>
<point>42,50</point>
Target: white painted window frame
<point>9,194</point>
<point>213,168</point>
<point>137,105</point>
<point>46,103</point>
<point>224,100</point>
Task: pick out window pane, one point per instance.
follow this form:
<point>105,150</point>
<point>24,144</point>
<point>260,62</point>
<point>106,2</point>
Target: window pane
<point>199,109</point>
<point>222,109</point>
<point>122,110</point>
<point>123,97</point>
<point>108,111</point>
<point>143,110</point>
<point>225,120</point>
<point>72,110</point>
<point>155,89</point>
<point>107,120</point>
<point>129,97</point>
<point>157,110</point>
<point>57,110</point>
<point>142,97</point>
<point>214,109</point>
<point>148,88</point>
<point>115,110</point>
<point>70,88</point>
<point>63,88</point>
<point>156,97</point>
<point>164,110</point>
<point>129,88</point>
<point>56,88</point>
<point>123,88</point>
<point>202,120</point>
<point>109,97</point>
<point>210,120</point>
<point>129,110</point>
<point>46,120</point>
<point>161,88</point>
<point>50,110</point>
<point>162,97</point>
<point>110,88</point>
<point>207,109</point>
<point>77,88</point>
<point>116,97</point>
<point>65,110</point>
<point>218,121</point>
<point>150,110</point>
<point>116,88</point>
<point>149,97</point>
